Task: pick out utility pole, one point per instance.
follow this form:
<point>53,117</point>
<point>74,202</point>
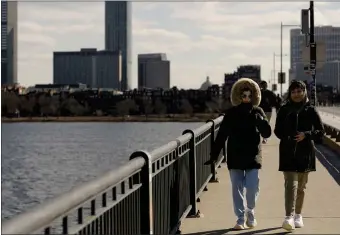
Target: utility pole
<point>281,75</point>
<point>312,45</point>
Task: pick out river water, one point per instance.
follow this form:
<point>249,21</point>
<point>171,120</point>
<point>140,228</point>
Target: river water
<point>42,160</point>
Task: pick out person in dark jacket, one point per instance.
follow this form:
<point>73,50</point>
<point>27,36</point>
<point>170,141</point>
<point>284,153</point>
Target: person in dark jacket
<point>268,101</point>
<point>242,125</point>
<point>298,126</point>
<point>278,103</point>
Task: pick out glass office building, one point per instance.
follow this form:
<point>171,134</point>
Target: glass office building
<point>329,74</point>
<point>9,35</point>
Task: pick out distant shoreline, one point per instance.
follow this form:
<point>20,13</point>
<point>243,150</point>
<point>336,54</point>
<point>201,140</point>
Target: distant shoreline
<point>179,118</point>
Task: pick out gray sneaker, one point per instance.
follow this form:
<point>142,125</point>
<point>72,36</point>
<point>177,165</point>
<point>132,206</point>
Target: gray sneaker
<point>251,221</point>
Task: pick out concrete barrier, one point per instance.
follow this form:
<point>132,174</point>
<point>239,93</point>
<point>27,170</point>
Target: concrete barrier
<point>332,138</point>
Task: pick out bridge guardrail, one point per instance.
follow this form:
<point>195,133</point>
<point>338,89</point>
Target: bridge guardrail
<point>332,137</point>
<point>150,194</point>
<point>332,132</point>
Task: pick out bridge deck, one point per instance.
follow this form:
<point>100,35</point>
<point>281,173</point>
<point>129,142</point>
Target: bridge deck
<point>321,208</point>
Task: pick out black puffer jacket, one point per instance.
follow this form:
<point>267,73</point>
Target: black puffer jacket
<point>242,126</point>
<point>291,119</point>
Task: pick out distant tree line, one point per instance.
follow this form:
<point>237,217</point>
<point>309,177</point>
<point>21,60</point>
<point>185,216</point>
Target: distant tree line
<point>92,103</point>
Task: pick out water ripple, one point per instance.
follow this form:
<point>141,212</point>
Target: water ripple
<point>42,160</point>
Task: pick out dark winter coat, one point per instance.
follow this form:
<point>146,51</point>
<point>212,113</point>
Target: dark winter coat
<point>291,119</point>
<point>268,100</point>
<point>278,103</point>
<point>242,126</point>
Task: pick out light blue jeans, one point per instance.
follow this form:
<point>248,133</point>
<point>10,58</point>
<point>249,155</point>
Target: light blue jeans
<point>240,180</point>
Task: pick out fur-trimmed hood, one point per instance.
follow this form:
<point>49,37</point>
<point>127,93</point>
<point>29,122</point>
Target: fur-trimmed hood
<point>239,85</point>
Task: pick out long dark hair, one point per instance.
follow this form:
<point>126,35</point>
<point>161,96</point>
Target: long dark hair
<point>296,85</point>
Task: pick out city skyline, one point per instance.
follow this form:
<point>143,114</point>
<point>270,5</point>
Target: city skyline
<point>200,39</point>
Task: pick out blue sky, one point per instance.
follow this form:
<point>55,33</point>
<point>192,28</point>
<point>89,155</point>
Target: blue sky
<point>200,38</point>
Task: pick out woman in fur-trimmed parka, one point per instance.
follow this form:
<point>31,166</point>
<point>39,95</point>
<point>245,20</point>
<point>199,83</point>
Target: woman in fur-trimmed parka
<point>243,125</point>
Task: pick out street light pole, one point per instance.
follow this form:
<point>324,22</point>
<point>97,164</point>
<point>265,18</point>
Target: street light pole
<point>338,76</point>
<point>312,46</point>
<point>274,69</point>
<point>338,72</point>
<point>281,61</point>
<point>281,30</point>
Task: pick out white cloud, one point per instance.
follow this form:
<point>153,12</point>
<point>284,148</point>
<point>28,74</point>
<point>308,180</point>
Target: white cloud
<point>62,12</point>
<point>32,38</point>
<point>200,38</point>
<point>26,57</point>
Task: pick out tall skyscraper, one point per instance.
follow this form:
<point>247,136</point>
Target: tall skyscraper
<point>9,35</point>
<point>329,74</point>
<point>153,71</point>
<point>118,36</point>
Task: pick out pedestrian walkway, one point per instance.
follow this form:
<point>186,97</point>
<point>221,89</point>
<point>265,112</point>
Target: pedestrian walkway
<point>321,208</point>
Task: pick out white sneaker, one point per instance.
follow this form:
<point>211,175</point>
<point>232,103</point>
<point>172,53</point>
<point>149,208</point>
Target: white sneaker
<point>239,227</point>
<point>288,223</point>
<point>298,221</point>
<point>251,221</point>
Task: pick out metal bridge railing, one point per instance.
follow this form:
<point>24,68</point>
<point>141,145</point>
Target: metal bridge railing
<point>332,138</point>
<point>151,194</point>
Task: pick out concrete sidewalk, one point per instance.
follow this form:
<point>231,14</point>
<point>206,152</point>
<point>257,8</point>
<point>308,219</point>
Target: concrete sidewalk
<point>321,208</point>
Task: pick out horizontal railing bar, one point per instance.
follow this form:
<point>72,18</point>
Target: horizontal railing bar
<point>45,213</point>
<point>169,147</point>
<point>200,191</point>
<point>164,150</point>
<point>200,130</point>
<point>183,139</point>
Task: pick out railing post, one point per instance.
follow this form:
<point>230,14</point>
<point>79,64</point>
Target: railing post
<point>334,133</point>
<point>224,154</point>
<point>214,178</point>
<point>146,205</point>
<point>327,129</point>
<point>337,139</point>
<point>224,147</point>
<point>193,180</point>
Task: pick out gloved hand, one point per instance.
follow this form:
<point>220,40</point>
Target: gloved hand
<point>258,119</point>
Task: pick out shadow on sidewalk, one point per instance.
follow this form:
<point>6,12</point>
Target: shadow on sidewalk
<point>330,160</point>
<point>244,232</point>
